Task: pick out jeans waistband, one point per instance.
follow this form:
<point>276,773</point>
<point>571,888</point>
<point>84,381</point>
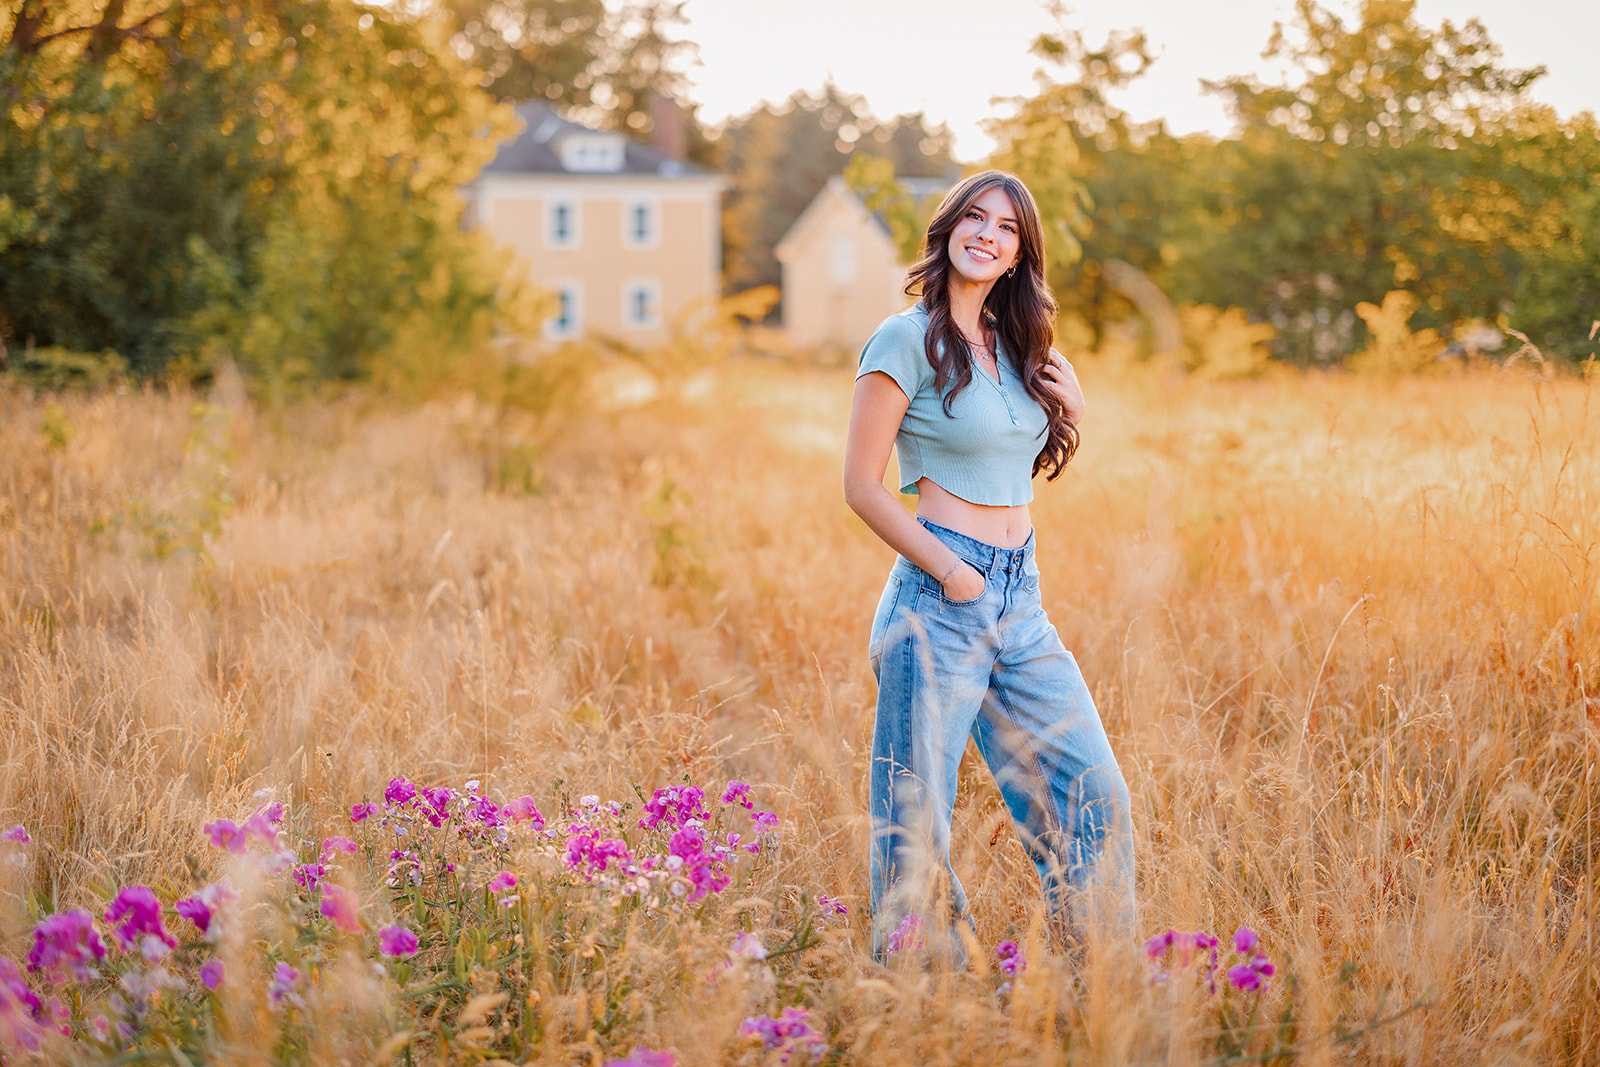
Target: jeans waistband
<point>991,559</point>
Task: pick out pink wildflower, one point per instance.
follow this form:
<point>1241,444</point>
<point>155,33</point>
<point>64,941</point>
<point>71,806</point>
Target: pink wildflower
<point>67,943</point>
<point>134,915</point>
<point>502,881</point>
<point>201,909</point>
<point>523,810</point>
<point>396,941</point>
<point>738,793</point>
<point>282,989</point>
<point>792,1032</point>
<point>1245,940</point>
<point>1012,959</point>
<point>342,907</point>
<point>22,1015</point>
<point>832,906</point>
<point>362,812</point>
<point>749,946</point>
<point>224,833</point>
<point>17,834</point>
<point>310,875</point>
<point>212,974</point>
<point>674,807</point>
<point>399,792</point>
<point>337,844</point>
<point>908,936</point>
<point>766,822</point>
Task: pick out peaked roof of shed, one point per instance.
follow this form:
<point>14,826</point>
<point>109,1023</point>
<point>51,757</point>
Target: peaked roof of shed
<point>920,188</point>
<point>534,150</point>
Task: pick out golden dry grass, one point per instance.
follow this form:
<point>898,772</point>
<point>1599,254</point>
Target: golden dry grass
<point>1343,635</point>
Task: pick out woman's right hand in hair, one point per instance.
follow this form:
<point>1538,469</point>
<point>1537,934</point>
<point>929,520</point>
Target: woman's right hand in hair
<point>965,584</point>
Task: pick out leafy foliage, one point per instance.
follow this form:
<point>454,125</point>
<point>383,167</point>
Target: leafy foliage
<point>1394,156</point>
<point>777,158</point>
<point>274,182</point>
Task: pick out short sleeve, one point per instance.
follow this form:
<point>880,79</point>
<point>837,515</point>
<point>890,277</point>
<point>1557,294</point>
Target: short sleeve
<point>896,349</point>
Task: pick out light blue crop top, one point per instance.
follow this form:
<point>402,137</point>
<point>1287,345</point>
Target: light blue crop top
<point>983,451</point>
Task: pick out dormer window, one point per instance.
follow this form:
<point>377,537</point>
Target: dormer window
<point>592,153</point>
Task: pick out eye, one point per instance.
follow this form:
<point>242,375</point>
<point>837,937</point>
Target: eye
<point>974,213</point>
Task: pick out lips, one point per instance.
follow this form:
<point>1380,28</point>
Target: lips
<point>981,254</point>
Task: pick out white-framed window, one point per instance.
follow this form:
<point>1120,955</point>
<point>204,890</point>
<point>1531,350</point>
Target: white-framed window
<point>641,222</point>
<point>567,322</point>
<point>561,219</point>
<point>842,261</point>
<point>641,303</point>
<point>592,153</point>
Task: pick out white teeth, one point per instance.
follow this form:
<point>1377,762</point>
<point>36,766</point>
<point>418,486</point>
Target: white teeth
<point>981,252</point>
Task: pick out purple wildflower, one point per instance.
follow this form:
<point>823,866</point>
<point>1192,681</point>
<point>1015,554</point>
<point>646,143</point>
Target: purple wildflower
<point>749,946</point>
<point>674,807</point>
<point>1157,946</point>
<point>135,914</point>
<point>396,941</point>
<point>436,804</point>
<point>487,812</point>
<point>261,826</point>
<point>67,942</point>
<point>342,907</point>
<point>791,1031</point>
<point>273,813</point>
<point>704,873</point>
<point>832,906</point>
<point>21,1012</point>
<point>502,881</point>
<point>201,909</point>
<point>1245,940</point>
<point>17,834</point>
<point>1012,959</point>
<point>399,792</point>
<point>908,936</point>
<point>738,793</point>
<point>310,875</point>
<point>212,974</point>
<point>1250,977</point>
<point>589,852</point>
<point>362,812</point>
<point>644,1057</point>
<point>282,989</point>
<point>766,822</point>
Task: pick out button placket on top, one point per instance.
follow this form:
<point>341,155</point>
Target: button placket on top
<point>999,369</point>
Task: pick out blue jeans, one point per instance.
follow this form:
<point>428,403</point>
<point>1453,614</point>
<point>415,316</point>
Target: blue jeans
<point>993,669</point>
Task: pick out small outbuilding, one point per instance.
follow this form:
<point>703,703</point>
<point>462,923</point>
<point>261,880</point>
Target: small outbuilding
<point>842,273</point>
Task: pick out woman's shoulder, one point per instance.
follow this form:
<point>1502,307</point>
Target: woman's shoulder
<point>910,325</point>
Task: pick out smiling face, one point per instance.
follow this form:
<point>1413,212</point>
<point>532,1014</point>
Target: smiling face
<point>985,241</point>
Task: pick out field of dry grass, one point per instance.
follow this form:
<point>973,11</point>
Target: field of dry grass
<point>1345,636</point>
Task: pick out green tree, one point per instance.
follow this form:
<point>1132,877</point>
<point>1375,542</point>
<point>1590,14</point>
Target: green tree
<point>777,158</point>
<point>275,182</point>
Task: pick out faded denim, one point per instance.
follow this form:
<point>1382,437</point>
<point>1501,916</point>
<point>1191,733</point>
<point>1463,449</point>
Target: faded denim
<point>993,669</point>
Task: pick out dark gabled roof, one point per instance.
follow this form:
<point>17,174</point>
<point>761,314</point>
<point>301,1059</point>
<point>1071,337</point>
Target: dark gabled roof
<point>533,151</point>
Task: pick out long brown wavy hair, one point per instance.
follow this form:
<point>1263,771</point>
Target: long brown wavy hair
<point>1020,309</point>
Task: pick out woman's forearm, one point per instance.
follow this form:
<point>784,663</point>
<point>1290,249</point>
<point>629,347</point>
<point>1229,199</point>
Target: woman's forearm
<point>898,528</point>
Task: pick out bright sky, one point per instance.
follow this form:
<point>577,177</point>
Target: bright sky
<point>949,59</point>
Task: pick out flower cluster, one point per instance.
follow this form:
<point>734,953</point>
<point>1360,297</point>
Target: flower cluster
<point>1174,952</point>
<point>907,936</point>
<point>445,839</point>
<point>791,1034</point>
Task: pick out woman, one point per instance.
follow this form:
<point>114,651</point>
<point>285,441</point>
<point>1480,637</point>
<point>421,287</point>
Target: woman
<point>967,389</point>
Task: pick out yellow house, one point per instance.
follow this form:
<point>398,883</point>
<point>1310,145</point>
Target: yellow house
<point>624,234</point>
<point>842,274</point>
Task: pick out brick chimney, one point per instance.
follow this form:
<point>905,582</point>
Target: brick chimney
<point>671,136</point>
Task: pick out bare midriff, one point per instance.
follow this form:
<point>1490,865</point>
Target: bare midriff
<point>1004,527</point>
